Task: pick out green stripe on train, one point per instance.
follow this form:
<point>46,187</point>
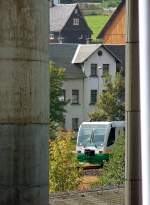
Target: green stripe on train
<point>95,159</point>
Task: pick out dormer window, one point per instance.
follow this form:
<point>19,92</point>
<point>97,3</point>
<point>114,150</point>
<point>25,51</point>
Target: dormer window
<point>100,53</point>
<point>75,21</point>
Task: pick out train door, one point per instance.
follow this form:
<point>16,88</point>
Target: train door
<point>111,139</point>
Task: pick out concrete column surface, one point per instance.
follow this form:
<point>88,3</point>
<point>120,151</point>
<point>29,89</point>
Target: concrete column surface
<point>24,94</point>
<point>133,143</point>
<point>144,33</point>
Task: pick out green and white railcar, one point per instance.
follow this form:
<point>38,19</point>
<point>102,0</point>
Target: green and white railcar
<point>95,140</point>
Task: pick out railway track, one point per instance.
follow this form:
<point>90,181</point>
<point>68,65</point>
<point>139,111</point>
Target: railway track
<point>91,166</point>
<point>91,170</point>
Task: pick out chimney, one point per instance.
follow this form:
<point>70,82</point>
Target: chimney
<point>51,3</point>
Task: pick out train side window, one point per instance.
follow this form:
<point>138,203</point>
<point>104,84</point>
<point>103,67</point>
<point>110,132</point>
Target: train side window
<point>111,138</point>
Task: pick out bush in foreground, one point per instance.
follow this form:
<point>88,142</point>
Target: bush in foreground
<point>114,170</point>
<point>63,172</point>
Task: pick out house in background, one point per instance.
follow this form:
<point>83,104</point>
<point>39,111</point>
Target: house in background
<point>114,30</point>
<point>85,67</point>
<point>62,55</point>
<point>96,61</point>
<point>67,24</point>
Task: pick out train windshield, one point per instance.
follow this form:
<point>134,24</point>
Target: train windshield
<point>92,135</point>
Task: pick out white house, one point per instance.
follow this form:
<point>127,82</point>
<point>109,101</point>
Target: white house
<point>85,67</point>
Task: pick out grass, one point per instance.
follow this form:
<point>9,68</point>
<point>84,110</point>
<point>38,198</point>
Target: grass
<point>87,182</point>
<point>96,23</point>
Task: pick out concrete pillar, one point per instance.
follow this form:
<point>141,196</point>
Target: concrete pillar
<point>24,102</point>
<point>133,151</point>
<point>144,32</point>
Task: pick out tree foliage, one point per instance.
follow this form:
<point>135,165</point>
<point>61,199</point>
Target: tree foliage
<point>110,105</point>
<point>56,106</point>
<point>110,3</point>
<point>114,170</point>
<point>63,172</point>
<point>105,3</point>
<point>80,1</point>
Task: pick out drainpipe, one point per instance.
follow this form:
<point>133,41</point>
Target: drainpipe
<point>83,98</point>
<point>24,102</point>
<point>144,33</point>
<point>133,151</point>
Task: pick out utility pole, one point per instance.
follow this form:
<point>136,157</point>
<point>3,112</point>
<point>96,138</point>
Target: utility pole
<point>144,32</point>
<point>24,102</point>
<point>133,143</point>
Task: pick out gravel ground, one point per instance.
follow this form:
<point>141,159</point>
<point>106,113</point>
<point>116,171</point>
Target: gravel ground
<point>92,172</point>
<point>93,197</point>
<point>99,196</point>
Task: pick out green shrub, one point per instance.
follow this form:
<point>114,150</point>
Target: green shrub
<point>57,107</point>
<point>114,170</point>
<point>63,172</point>
<point>110,105</point>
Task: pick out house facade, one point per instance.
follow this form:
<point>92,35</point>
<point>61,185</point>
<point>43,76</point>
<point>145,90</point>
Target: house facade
<point>74,92</point>
<point>95,61</point>
<point>85,68</point>
<point>114,31</point>
<point>67,24</point>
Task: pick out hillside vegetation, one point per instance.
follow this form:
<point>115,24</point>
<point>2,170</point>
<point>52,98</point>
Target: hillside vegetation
<point>105,3</point>
<point>110,3</point>
<point>96,23</point>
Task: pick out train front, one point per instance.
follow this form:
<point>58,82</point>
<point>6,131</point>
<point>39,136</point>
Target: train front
<point>91,143</point>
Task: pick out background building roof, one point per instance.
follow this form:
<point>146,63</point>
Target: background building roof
<point>59,15</point>
<point>61,55</point>
<point>118,51</point>
<point>84,51</point>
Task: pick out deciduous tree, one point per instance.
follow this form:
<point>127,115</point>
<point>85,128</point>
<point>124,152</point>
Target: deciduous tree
<point>110,105</point>
<point>56,105</point>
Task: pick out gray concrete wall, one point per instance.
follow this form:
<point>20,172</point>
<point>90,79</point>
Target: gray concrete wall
<point>133,142</point>
<point>23,102</point>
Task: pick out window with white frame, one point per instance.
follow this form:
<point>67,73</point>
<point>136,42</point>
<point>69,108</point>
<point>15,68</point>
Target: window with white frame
<point>75,96</point>
<point>75,21</point>
<point>93,97</point>
<point>60,39</point>
<point>63,123</point>
<point>75,124</point>
<point>81,36</point>
<point>105,69</point>
<point>62,98</point>
<point>93,70</point>
<point>51,36</point>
